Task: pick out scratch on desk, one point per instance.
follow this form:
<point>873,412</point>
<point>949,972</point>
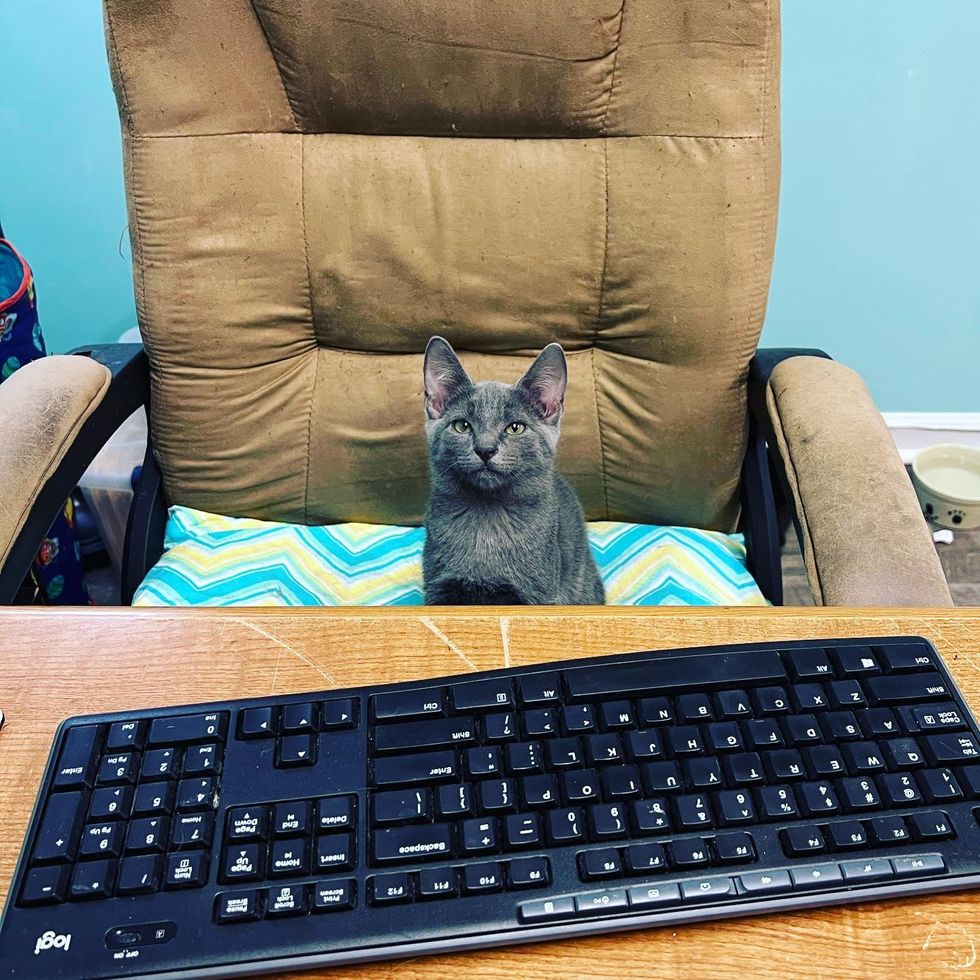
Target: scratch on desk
<point>969,956</point>
<point>432,628</point>
<point>285,646</point>
<point>505,639</point>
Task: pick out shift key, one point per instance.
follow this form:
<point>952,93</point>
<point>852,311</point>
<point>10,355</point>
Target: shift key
<point>424,734</point>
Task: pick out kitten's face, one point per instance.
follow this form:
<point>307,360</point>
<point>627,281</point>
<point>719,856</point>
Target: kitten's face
<point>491,436</point>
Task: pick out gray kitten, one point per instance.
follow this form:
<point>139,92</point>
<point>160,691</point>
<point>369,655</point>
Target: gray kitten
<point>502,526</point>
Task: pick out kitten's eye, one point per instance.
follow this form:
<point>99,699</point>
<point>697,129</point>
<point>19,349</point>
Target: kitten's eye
<point>516,428</point>
<point>461,425</point>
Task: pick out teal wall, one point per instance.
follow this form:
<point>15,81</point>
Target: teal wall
<point>877,257</point>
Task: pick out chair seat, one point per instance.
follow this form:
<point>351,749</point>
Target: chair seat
<point>210,560</point>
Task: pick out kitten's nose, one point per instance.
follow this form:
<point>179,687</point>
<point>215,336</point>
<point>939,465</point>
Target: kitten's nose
<point>486,453</point>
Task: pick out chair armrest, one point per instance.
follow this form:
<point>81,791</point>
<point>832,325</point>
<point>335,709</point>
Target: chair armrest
<point>864,540</point>
<point>56,413</point>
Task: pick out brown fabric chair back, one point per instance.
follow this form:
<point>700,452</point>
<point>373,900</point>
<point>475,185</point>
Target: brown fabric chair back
<point>316,187</point>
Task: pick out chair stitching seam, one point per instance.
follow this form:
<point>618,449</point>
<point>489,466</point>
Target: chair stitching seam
<point>119,69</point>
<point>309,293</point>
<point>447,136</point>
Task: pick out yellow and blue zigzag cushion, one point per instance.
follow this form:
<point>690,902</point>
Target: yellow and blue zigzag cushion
<point>210,560</point>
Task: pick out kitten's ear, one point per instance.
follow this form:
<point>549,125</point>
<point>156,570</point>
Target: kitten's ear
<point>546,380</point>
<point>444,377</point>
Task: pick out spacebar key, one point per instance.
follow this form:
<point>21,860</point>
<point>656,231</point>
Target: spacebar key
<point>674,673</point>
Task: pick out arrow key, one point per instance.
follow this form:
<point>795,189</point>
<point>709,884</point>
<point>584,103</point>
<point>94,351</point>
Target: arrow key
<point>257,722</point>
<point>45,886</point>
<point>339,714</point>
<point>296,750</point>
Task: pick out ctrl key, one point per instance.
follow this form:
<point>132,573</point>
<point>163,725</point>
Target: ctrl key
<point>548,910</point>
<point>242,906</point>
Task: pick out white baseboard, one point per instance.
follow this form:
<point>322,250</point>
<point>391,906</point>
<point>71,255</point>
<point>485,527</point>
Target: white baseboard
<point>913,431</point>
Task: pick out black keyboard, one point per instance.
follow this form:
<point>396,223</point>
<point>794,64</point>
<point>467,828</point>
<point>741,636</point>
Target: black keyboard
<point>566,798</point>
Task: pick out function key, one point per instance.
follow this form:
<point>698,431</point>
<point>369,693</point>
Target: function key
<point>810,663</point>
<point>202,760</point>
<point>292,819</point>
<point>240,906</point>
<point>248,823</point>
<point>185,870</point>
<point>45,886</point>
<point>735,848</point>
<point>482,695</point>
<point>437,883</point>
<point>856,661</point>
<point>543,688</point>
<point>257,722</point>
<point>338,714</point>
<point>408,704</point>
<point>802,841</point>
<point>119,767</point>
<point>93,879</point>
<point>332,896</point>
<point>186,729</point>
<point>299,717</point>
<point>160,764</point>
<point>126,735</point>
<point>484,877</point>
<point>934,825</point>
<point>296,750</point>
<point>529,872</point>
<point>76,764</point>
<point>691,853</point>
<point>283,900</point>
<point>906,657</point>
<point>335,813</point>
<point>888,830</point>
<point>919,864</point>
<point>390,889</point>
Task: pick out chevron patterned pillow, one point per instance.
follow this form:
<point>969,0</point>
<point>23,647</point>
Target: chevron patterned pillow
<point>210,560</point>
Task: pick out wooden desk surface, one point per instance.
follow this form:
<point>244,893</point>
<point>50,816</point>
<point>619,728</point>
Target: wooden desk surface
<point>56,664</point>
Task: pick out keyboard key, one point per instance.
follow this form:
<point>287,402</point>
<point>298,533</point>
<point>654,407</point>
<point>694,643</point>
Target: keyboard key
<point>938,717</point>
<point>430,733</point>
<point>148,834</point>
<point>339,714</point>
<point>454,801</point>
<point>524,757</point>
<point>408,704</point>
<point>863,757</point>
<point>765,882</point>
<point>816,876</point>
<point>654,896</point>
<point>119,767</point>
<point>703,773</point>
<point>45,886</point>
<point>818,799</point>
<point>685,740</point>
<point>616,714</point>
<point>579,785</point>
<point>918,864</point>
<point>900,789</point>
<point>604,863</point>
<point>810,697</point>
<point>248,823</point>
<point>531,872</point>
<point>125,735</point>
<point>495,795</point>
<point>410,769</point>
<point>644,745</point>
<point>809,663</point>
<point>934,825</point>
<point>547,910</point>
<point>483,761</point>
<point>479,835</point>
<point>577,718</point>
<point>93,879</point>
<point>650,816</point>
<point>620,782</point>
<point>724,736</point>
<point>285,900</point>
<point>859,794</point>
<point>540,790</point>
<point>824,760</point>
<point>296,750</point>
<point>707,889</point>
<point>77,762</point>
<point>778,802</point>
<point>61,824</point>
<point>153,798</point>
<point>500,726</point>
<point>564,753</point>
<point>202,760</point>
<point>299,717</point>
<point>641,675</point>
<point>840,726</point>
<point>334,852</point>
<point>856,661</point>
<point>413,843</point>
<point>907,688</point>
<point>693,811</point>
<point>689,853</point>
<point>889,830</point>
<point>603,750</point>
<point>111,802</point>
<point>192,830</point>
<point>771,700</point>
<point>565,825</point>
<point>734,848</point>
<point>403,805</point>
<point>802,841</point>
<point>159,764</point>
<point>744,768</point>
<point>607,820</point>
<point>540,688</point>
<point>292,819</point>
<point>902,753</point>
<point>939,785</point>
<point>257,722</point>
<point>437,883</point>
<point>879,723</point>
<point>802,729</point>
<point>903,657</point>
<point>540,721</point>
<point>694,707</point>
<point>139,874</point>
<point>785,764</point>
<point>848,694</point>
<point>522,830</point>
<point>196,794</point>
<point>733,704</point>
<point>242,862</point>
<point>645,858</point>
<point>613,900</point>
<point>486,695</point>
<point>969,778</point>
<point>240,906</point>
<point>950,747</point>
<point>845,834</point>
<point>874,869</point>
<point>186,729</point>
<point>735,806</point>
<point>662,777</point>
<point>335,813</point>
<point>763,733</point>
<point>655,711</point>
<point>186,870</point>
<point>288,858</point>
<point>390,889</point>
<point>479,878</point>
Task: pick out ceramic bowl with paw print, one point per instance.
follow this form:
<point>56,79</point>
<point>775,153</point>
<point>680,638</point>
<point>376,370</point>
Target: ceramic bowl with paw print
<point>947,480</point>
